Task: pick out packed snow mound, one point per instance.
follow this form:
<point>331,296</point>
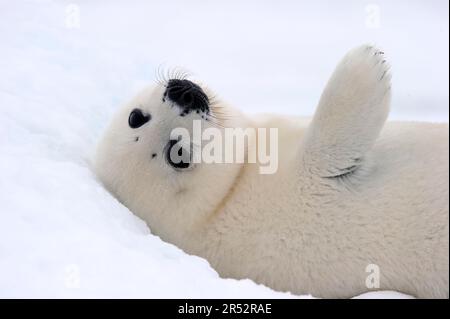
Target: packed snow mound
<point>64,70</point>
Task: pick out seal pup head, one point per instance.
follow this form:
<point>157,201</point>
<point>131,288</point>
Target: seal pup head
<point>133,158</point>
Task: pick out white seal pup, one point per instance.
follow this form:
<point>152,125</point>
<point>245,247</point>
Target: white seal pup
<point>354,205</point>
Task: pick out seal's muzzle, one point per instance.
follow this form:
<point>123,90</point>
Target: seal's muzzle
<point>187,95</point>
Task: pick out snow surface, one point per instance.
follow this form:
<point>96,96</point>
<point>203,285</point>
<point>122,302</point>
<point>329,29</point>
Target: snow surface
<point>61,233</point>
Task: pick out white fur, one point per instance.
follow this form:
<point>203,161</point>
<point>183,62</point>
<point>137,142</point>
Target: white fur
<point>344,196</point>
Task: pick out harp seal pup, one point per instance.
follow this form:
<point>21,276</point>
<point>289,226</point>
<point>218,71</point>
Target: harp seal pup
<point>349,191</point>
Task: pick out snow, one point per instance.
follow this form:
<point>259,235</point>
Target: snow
<point>383,295</point>
<point>63,235</point>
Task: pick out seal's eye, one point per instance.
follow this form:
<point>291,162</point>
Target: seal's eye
<point>177,156</point>
<point>137,118</point>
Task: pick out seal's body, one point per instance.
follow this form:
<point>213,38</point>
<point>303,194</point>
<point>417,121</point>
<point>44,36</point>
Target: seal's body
<point>350,200</point>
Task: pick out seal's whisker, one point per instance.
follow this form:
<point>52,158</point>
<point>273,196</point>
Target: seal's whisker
<point>178,73</point>
<point>220,126</point>
<point>217,106</point>
<point>221,117</point>
<point>215,116</point>
<point>219,113</point>
<point>161,77</point>
<point>216,122</point>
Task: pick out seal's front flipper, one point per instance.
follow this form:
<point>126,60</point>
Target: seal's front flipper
<point>351,113</point>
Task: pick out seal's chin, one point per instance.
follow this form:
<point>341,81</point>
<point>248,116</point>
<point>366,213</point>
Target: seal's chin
<point>177,156</point>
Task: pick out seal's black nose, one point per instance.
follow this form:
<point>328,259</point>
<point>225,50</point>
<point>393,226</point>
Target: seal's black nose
<point>187,95</point>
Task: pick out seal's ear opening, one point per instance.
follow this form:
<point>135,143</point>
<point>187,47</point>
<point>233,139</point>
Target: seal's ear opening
<point>177,156</point>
